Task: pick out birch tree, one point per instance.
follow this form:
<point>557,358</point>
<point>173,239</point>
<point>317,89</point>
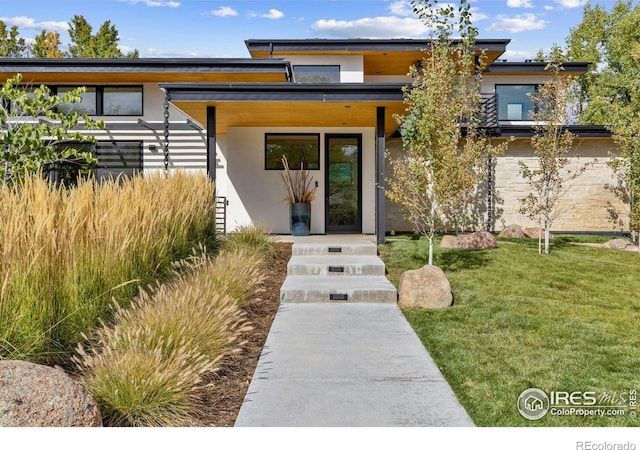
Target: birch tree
<point>551,143</point>
<point>443,151</point>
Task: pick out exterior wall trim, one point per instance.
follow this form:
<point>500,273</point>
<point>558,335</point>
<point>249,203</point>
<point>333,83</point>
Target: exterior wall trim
<point>211,92</point>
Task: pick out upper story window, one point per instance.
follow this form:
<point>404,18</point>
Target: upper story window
<point>122,101</point>
<point>88,104</point>
<point>316,74</point>
<point>515,101</point>
<point>105,100</point>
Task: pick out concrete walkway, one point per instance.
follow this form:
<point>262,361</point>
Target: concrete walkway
<point>346,364</point>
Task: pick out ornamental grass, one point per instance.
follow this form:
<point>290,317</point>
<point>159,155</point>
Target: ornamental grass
<point>67,254</point>
<point>150,367</point>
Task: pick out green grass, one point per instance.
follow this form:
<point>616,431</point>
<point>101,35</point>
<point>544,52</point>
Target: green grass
<point>567,321</point>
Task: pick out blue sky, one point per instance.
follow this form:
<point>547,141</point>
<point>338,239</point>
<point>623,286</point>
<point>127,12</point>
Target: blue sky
<point>218,28</point>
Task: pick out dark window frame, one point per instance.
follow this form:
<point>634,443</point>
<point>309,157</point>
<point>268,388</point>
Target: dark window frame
<point>100,96</point>
<point>536,87</point>
<point>295,66</point>
<point>97,148</point>
<point>291,165</point>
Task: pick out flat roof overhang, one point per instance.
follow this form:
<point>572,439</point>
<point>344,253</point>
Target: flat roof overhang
<point>141,70</point>
<point>381,56</point>
<point>289,105</point>
<point>580,131</point>
<point>533,68</point>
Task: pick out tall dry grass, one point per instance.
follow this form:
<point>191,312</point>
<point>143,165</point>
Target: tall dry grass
<point>65,254</point>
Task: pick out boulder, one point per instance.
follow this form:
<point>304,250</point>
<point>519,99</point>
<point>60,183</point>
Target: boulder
<point>533,233</point>
<point>427,287</point>
<point>620,244</point>
<point>480,240</point>
<point>32,395</point>
<point>512,231</point>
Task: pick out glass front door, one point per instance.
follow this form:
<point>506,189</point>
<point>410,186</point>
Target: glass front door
<point>344,185</point>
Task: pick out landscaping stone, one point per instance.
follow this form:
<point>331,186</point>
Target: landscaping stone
<point>480,240</point>
<point>427,287</point>
<point>512,231</point>
<point>620,244</point>
<point>33,395</point>
<point>534,232</point>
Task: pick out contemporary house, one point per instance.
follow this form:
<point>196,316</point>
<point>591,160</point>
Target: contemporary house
<point>326,104</point>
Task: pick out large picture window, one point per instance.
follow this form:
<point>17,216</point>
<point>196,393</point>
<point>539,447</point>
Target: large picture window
<point>515,102</point>
<point>316,74</point>
<point>301,150</point>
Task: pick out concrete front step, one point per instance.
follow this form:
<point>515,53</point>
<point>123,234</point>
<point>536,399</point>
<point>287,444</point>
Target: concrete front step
<point>344,289</point>
<point>334,248</point>
<point>335,265</point>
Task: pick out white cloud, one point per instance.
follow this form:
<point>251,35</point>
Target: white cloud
<point>570,3</point>
<point>370,27</point>
<point>476,15</point>
<point>401,8</point>
<point>519,55</point>
<point>154,3</point>
<point>519,4</point>
<point>516,24</point>
<point>224,11</point>
<point>28,22</point>
<point>272,14</point>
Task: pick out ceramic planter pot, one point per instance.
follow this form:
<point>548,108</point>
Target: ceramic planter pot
<point>300,219</point>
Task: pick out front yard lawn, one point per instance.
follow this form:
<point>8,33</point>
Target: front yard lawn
<point>568,321</point>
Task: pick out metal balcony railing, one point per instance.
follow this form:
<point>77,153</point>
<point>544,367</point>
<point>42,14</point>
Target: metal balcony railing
<point>489,111</point>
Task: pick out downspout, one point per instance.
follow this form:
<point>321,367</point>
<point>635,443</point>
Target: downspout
<point>490,198</point>
<point>167,98</point>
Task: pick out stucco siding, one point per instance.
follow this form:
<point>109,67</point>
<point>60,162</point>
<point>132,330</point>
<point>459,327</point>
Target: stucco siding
<point>256,195</point>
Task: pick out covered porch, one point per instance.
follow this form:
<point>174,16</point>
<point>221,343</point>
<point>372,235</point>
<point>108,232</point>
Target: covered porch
<point>350,122</point>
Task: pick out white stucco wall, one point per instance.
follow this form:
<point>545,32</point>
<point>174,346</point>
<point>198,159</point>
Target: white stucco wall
<point>256,195</point>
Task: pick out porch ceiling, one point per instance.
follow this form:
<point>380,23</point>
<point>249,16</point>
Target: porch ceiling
<point>293,114</point>
<point>289,104</point>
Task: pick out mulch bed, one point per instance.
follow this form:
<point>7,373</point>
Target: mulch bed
<point>226,393</point>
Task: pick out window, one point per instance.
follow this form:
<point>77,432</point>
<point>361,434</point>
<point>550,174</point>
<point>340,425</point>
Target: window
<point>514,102</point>
<point>115,158</point>
<point>316,74</point>
<point>88,104</point>
<point>105,101</point>
<point>118,158</point>
<point>122,101</point>
<point>300,150</point>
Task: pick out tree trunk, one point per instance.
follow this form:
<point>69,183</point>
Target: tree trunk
<point>430,249</point>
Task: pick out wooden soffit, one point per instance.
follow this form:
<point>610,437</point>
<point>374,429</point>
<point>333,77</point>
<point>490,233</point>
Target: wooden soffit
<point>289,104</point>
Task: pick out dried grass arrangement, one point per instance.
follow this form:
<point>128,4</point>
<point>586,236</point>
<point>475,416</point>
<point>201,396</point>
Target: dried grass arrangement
<point>298,184</point>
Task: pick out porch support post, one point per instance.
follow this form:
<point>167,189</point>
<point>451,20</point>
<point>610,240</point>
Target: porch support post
<point>211,142</point>
<point>380,166</point>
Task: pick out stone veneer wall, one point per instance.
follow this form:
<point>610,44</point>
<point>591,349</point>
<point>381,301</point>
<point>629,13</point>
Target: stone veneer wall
<point>582,207</point>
